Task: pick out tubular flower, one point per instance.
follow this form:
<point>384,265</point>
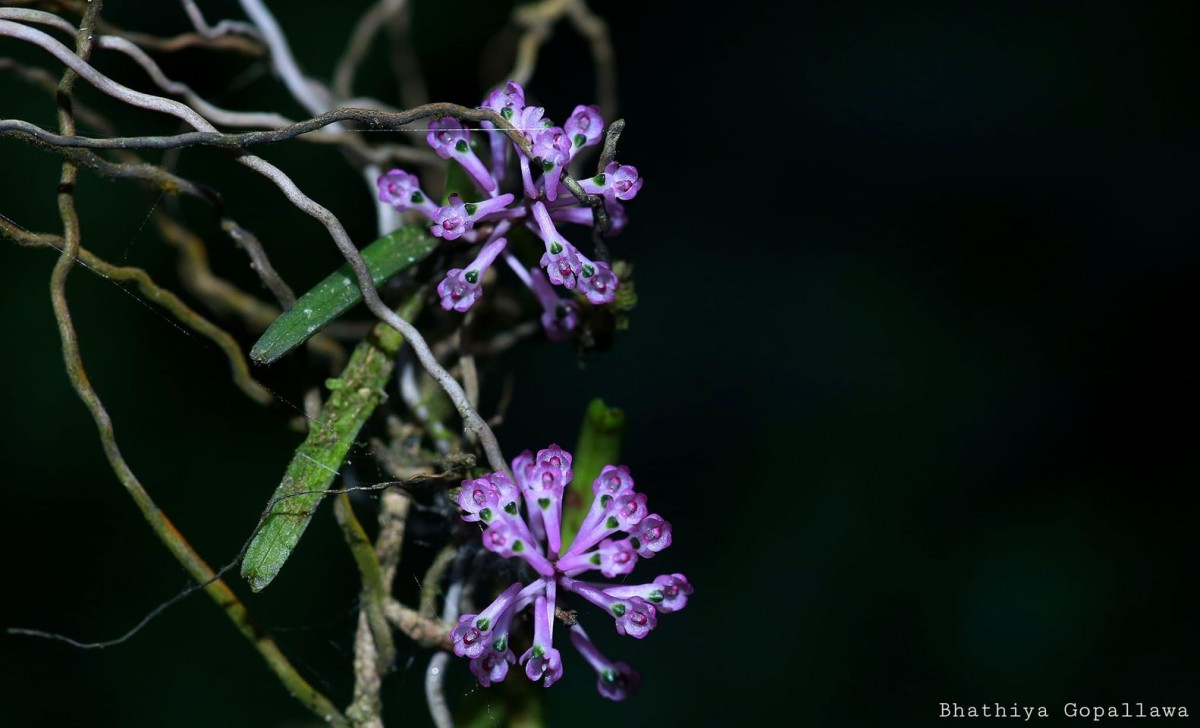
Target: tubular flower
<point>540,202</point>
<point>535,536</point>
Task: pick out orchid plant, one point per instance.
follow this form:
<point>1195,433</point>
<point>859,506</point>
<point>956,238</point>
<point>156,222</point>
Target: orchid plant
<point>514,198</point>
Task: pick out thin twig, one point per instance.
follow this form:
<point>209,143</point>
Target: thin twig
<point>374,651</point>
<point>122,45</point>
<point>223,27</point>
<point>245,45</point>
<point>239,369</point>
<point>435,674</point>
<point>431,587</point>
<point>425,632</point>
<point>592,26</point>
<point>471,418</point>
<point>537,19</point>
<point>369,23</point>
<point>403,57</point>
<point>373,118</point>
<point>310,94</point>
<point>162,526</point>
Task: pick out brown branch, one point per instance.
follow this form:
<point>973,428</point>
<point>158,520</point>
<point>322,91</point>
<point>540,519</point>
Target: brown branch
<point>238,367</point>
<point>374,651</point>
<point>372,118</point>
<point>179,547</point>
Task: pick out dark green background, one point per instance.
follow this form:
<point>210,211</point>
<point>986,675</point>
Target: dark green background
<point>910,373</point>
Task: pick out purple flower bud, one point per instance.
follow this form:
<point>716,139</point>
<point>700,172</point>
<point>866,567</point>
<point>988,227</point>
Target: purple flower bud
<point>597,282</point>
<point>462,287</point>
<point>675,590</point>
<point>633,616</point>
<point>543,495</point>
<point>584,127</point>
<point>449,139</point>
<point>492,666</point>
<point>507,100</point>
<point>608,515</point>
<point>530,121</point>
<point>559,316</point>
<point>616,557</point>
<point>523,466</point>
<point>553,147</point>
<point>638,619</point>
<point>615,680</point>
<point>616,182</point>
<point>561,259</point>
<point>451,221</point>
<point>668,593</point>
<point>613,480</point>
<point>555,457</point>
<point>601,519</point>
<point>508,492</point>
<point>402,191</point>
<point>612,558</point>
<point>472,635</point>
<point>455,218</point>
<point>542,661</point>
<point>629,510</point>
<point>650,536</point>
<point>479,499</point>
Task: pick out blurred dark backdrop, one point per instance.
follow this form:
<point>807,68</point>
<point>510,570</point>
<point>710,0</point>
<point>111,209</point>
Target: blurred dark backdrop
<point>910,372</point>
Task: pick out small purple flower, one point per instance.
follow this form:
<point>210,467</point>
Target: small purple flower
<point>633,616</point>
<point>541,480</point>
<point>492,666</point>
<point>615,680</point>
<point>449,138</point>
<point>612,558</point>
<point>557,458</point>
<point>650,536</point>
<point>616,182</point>
<point>507,100</point>
<point>668,593</point>
<point>561,259</point>
<point>455,218</point>
<point>473,633</point>
<point>463,286</point>
<point>597,282</point>
<point>402,191</point>
<point>479,499</point>
<point>542,661</point>
<point>584,127</point>
<point>622,513</point>
<point>553,147</point>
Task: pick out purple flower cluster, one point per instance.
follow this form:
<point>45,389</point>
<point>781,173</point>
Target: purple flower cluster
<point>495,500</point>
<point>544,202</point>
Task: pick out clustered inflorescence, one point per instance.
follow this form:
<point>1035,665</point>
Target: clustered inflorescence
<point>544,202</point>
<point>494,501</point>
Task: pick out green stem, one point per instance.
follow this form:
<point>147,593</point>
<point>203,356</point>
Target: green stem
<point>374,592</point>
<point>599,445</point>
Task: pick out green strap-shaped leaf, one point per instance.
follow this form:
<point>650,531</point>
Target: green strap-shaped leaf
<point>599,445</point>
<point>387,256</point>
<point>352,399</point>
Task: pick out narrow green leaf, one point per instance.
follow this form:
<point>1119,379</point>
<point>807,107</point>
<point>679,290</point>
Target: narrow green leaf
<point>599,445</point>
<point>387,256</point>
<point>352,398</point>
